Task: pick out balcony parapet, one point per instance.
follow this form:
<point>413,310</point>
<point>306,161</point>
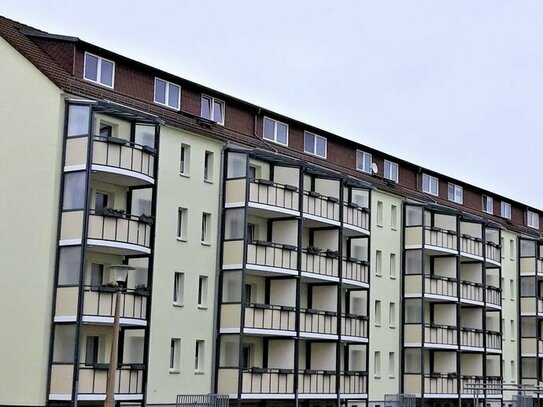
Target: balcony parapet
<point>493,341</point>
<point>471,291</point>
<point>270,317</point>
<point>355,271</point>
<point>316,382</point>
<point>440,238</point>
<point>99,303</point>
<point>325,264</point>
<point>321,207</point>
<point>440,286</point>
<point>472,338</point>
<point>439,383</point>
<point>356,217</point>
<point>472,246</point>
<point>493,252</point>
<point>493,296</point>
<point>355,327</point>
<point>440,335</point>
<point>317,322</point>
<point>264,192</point>
<point>272,256</point>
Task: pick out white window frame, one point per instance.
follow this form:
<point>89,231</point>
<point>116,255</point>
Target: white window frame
<point>314,152</point>
<point>364,161</point>
<point>275,123</point>
<point>99,71</point>
<point>178,289</point>
<point>392,175</point>
<point>455,189</point>
<point>505,213</point>
<point>487,204</point>
<point>205,236</point>
<point>212,111</point>
<point>199,356</point>
<point>430,179</point>
<point>209,157</point>
<point>167,94</point>
<point>175,355</point>
<point>532,219</point>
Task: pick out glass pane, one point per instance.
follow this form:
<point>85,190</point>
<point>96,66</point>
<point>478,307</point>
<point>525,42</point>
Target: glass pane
<point>321,146</point>
<point>107,73</point>
<point>145,135</point>
<point>282,131</point>
<point>529,367</point>
<point>233,223</point>
<point>527,248</point>
<point>413,261</point>
<point>412,361</point>
<point>360,197</point>
<point>217,112</point>
<point>237,165</point>
<point>91,67</point>
<point>173,96</point>
<point>69,265</point>
<point>206,108</point>
<point>64,346</point>
<point>413,216</point>
<point>78,120</point>
<point>527,287</point>
<point>309,143</point>
<point>74,190</point>
<point>269,129</point>
<point>413,311</point>
<point>231,287</point>
<point>141,202</point>
<point>528,327</point>
<point>160,91</point>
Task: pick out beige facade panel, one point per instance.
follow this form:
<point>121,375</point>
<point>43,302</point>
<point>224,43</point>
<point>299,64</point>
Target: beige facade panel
<point>61,379</point>
<point>66,303</point>
<point>71,225</point>
<point>76,151</point>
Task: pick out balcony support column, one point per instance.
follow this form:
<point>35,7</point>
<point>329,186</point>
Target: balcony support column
<point>112,369</point>
<point>339,309</point>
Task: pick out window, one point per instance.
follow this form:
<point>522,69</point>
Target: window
<point>74,190</point>
<point>377,313</point>
<point>392,315</point>
<point>100,202</point>
<point>532,219</point>
<point>248,291</point>
<point>488,204</point>
<point>178,288</point>
<point>175,353</point>
<point>275,131</point>
<point>391,364</point>
<point>182,222</point>
<point>512,323</point>
<point>91,350</point>
<point>512,289</point>
<point>105,130</point>
<point>208,166</point>
<point>314,144</point>
<point>505,210</point>
<point>392,265</point>
<point>167,94</point>
<point>199,357</point>
<point>456,193</point>
<point>202,291</point>
<point>377,364</point>
<point>212,109</point>
<point>206,223</point>
<point>378,263</point>
<point>78,120</point>
<point>99,70</point>
<point>363,161</point>
<point>379,213</point>
<point>246,356</point>
<point>391,171</point>
<point>184,160</point>
<point>511,249</point>
<point>430,184</point>
<point>97,275</point>
<point>393,217</point>
<point>250,232</point>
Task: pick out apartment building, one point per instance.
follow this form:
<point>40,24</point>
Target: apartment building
<point>244,252</point>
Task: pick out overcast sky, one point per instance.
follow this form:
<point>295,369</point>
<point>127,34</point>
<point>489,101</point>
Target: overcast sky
<point>455,86</point>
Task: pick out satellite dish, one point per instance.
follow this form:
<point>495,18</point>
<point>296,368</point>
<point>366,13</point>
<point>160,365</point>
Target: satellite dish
<point>374,168</point>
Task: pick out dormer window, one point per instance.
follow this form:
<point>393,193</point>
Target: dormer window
<point>212,109</point>
<point>99,70</point>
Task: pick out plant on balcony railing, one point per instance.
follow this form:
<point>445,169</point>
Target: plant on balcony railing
<point>314,250</point>
<point>147,219</point>
<point>141,289</point>
<point>112,212</point>
<point>108,287</point>
<point>334,254</point>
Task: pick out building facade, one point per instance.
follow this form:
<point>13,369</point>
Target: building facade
<point>266,259</point>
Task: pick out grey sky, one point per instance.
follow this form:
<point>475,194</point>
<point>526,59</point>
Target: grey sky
<point>455,86</point>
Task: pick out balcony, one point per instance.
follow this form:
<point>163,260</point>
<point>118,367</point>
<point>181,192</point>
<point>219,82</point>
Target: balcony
<point>440,287</point>
<point>99,305</point>
<point>317,383</point>
<point>320,265</point>
<point>493,253</point>
<point>471,292</point>
<point>440,336</point>
<point>353,384</point>
<point>469,384</point>
<point>119,161</point>
<point>321,208</point>
<point>119,233</point>
<point>493,341</point>
<point>356,219</point>
<point>472,339</point>
<point>435,239</point>
<point>273,196</point>
<point>471,247</point>
<point>316,323</point>
<point>439,383</point>
<point>272,257</point>
<point>493,296</point>
<point>355,272</point>
<point>264,382</point>
<point>354,328</point>
<point>276,318</point>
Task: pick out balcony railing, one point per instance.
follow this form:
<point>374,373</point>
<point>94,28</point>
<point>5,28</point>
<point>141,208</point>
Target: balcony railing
<point>440,285</point>
<point>267,381</point>
<point>493,340</point>
<point>471,291</point>
<point>355,270</point>
<point>100,301</point>
<point>439,383</point>
<point>270,254</point>
<point>493,295</point>
<point>473,384</point>
<point>318,322</point>
<point>271,193</point>
<point>493,252</point>
<point>320,263</point>
<point>326,207</point>
<point>317,381</point>
<point>442,238</point>
<point>353,382</point>
<point>354,325</point>
<point>471,245</point>
<point>440,334</point>
<point>120,228</point>
<point>129,380</point>
<point>356,216</point>
<point>122,154</point>
<point>273,317</point>
<point>471,337</point>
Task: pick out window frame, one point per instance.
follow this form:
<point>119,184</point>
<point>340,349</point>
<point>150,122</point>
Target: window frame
<point>167,94</point>
<point>535,217</point>
<point>205,236</point>
<point>314,152</point>
<point>182,224</point>
<point>487,201</point>
<point>178,288</point>
<point>503,214</point>
<point>362,158</point>
<point>175,355</point>
<point>199,356</point>
<point>275,123</point>
<point>212,108</point>
<point>387,174</point>
<point>209,157</point>
<point>455,188</point>
<point>99,70</point>
<point>184,160</point>
<point>430,178</point>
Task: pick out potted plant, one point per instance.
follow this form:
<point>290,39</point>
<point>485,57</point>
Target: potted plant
<point>314,250</point>
<point>112,212</point>
<point>117,140</point>
<point>108,287</point>
<point>141,289</point>
<point>334,254</point>
<point>147,219</point>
